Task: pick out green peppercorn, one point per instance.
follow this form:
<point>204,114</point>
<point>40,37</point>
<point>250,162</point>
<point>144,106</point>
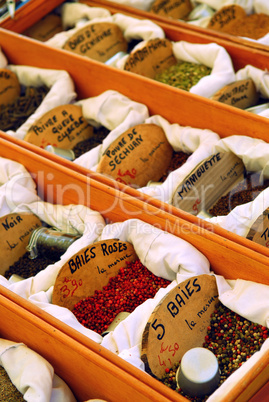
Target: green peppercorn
<point>183,75</point>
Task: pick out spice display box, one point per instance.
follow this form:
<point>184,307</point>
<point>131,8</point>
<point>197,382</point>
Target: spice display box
<point>226,119</point>
<point>213,35</point>
<point>239,50</point>
<point>223,119</point>
<point>90,370</point>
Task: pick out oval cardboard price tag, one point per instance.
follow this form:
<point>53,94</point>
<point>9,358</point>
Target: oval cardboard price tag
<point>176,9</point>
<point>259,231</point>
<point>226,17</point>
<point>89,270</point>
<point>63,127</point>
<point>241,94</point>
<point>140,154</point>
<point>97,41</point>
<point>9,86</point>
<point>46,28</point>
<point>15,232</point>
<point>178,323</point>
<point>152,59</point>
<point>210,180</point>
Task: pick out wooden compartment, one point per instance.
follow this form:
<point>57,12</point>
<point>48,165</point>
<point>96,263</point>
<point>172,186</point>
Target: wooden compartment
<point>94,78</point>
<point>32,10</point>
<point>89,369</point>
<point>135,12</point>
<point>242,51</point>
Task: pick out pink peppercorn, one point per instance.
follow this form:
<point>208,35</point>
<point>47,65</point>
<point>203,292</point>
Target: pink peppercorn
<point>133,285</point>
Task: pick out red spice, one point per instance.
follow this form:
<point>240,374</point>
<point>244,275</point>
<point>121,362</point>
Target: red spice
<point>133,285</point>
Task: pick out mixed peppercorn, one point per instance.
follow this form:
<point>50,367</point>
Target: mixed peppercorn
<point>233,340</point>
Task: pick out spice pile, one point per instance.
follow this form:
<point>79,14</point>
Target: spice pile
<point>27,267</point>
<point>245,191</point>
<point>13,115</point>
<point>99,134</point>
<point>8,391</point>
<point>133,285</point>
<point>183,75</point>
<point>178,159</point>
<point>234,20</point>
<point>233,340</point>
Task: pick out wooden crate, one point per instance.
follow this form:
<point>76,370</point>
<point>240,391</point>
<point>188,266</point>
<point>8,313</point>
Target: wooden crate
<point>154,95</point>
<point>34,10</point>
<point>240,51</point>
<point>229,255</point>
<point>213,35</point>
<point>91,370</point>
<point>95,77</point>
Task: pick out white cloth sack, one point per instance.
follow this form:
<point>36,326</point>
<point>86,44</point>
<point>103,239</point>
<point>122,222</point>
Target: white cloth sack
<point>59,82</point>
<point>211,55</point>
<point>172,258</point>
<point>73,13</point>
<point>132,28</point>
<point>18,194</point>
<point>255,156</point>
<point>32,375</point>
<point>197,142</point>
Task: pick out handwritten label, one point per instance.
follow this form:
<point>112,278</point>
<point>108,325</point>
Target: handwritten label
<point>226,17</point>
<point>178,323</point>
<point>241,94</point>
<point>15,232</point>
<point>140,154</point>
<point>259,231</point>
<point>46,28</point>
<point>176,9</point>
<point>97,41</point>
<point>89,270</point>
<point>153,58</point>
<point>63,127</point>
<point>210,180</point>
<point>9,86</point>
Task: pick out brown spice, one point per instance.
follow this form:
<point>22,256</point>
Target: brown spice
<point>99,134</point>
<point>8,391</point>
<point>13,115</point>
<point>245,191</point>
<point>254,26</point>
<point>26,267</point>
<point>234,21</point>
<point>178,159</point>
